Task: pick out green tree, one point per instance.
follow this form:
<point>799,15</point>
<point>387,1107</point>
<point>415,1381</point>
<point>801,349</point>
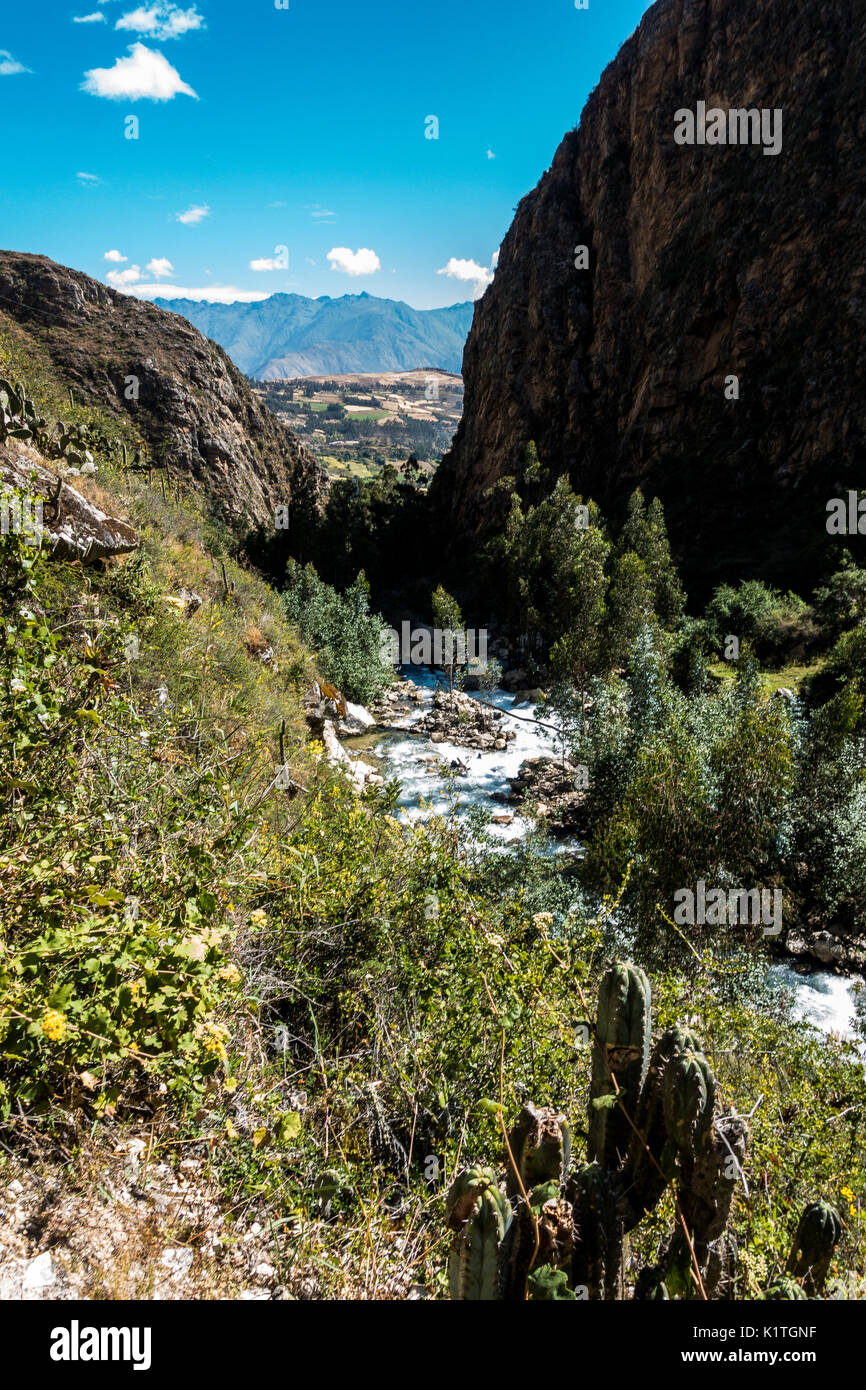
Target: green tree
<point>645,533</point>
<point>841,602</point>
<point>579,611</point>
<point>448,619</point>
<point>629,604</point>
<point>347,637</point>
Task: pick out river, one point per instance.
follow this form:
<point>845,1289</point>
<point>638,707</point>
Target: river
<point>820,998</point>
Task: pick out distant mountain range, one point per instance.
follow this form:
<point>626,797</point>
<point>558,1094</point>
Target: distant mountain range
<point>288,335</point>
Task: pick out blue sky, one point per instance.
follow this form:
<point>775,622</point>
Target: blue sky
<point>305,130</point>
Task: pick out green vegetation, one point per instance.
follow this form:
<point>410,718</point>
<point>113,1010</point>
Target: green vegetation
<point>328,1008</point>
<point>447,618</point>
<point>340,628</point>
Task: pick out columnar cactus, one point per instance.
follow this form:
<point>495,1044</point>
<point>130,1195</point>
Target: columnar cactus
<point>818,1233</point>
<point>652,1123</point>
<point>621,1051</point>
<point>649,1164</point>
<point>479,1215</point>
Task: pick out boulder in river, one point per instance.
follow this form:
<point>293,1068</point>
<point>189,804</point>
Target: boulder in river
<point>357,720</point>
<point>840,951</point>
<point>550,787</point>
<point>457,718</point>
<point>528,697</point>
<point>361,773</point>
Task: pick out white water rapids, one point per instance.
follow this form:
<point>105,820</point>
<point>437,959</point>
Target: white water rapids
<point>820,998</point>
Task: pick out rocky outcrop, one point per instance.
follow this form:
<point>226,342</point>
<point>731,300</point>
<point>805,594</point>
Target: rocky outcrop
<point>842,952</point>
<point>397,704</point>
<point>360,772</point>
<point>552,789</point>
<point>456,718</point>
<point>346,718</point>
<point>186,398</point>
<point>34,499</point>
<point>704,262</point>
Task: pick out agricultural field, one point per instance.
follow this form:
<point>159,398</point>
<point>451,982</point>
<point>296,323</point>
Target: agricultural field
<point>356,425</point>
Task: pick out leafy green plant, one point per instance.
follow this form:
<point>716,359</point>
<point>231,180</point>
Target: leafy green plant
<point>342,630</point>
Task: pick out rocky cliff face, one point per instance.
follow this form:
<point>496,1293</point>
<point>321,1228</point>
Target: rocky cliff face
<point>193,406</point>
<point>705,261</point>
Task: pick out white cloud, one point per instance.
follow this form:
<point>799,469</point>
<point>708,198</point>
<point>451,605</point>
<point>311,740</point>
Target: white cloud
<point>320,214</point>
<point>9,66</point>
<point>309,260</point>
<point>88,180</point>
<point>490,154</point>
<point>469,271</point>
<point>161,21</point>
<point>115,256</point>
<point>159,267</point>
<point>360,262</point>
<point>96,18</point>
<point>494,259</point>
<point>212,294</point>
<point>144,74</point>
<point>193,214</point>
<point>267,263</point>
<point>121,278</point>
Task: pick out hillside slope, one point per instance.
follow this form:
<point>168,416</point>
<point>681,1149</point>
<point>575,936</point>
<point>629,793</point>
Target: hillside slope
<point>704,262</point>
<point>289,335</point>
<point>192,407</point>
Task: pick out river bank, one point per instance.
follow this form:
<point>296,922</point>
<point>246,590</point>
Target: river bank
<point>435,772</point>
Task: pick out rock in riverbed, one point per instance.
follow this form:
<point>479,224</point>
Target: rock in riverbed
<point>552,788</point>
<point>457,718</point>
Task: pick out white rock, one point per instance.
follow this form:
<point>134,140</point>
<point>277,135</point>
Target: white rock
<point>357,721</point>
<point>40,1274</point>
<point>178,1260</point>
<point>131,1149</point>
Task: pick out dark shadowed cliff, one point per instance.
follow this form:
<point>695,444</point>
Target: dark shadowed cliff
<point>193,406</point>
<point>705,261</point>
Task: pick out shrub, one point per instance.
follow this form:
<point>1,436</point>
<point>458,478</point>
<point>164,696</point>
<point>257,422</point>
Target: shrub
<point>779,628</point>
<point>343,631</point>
